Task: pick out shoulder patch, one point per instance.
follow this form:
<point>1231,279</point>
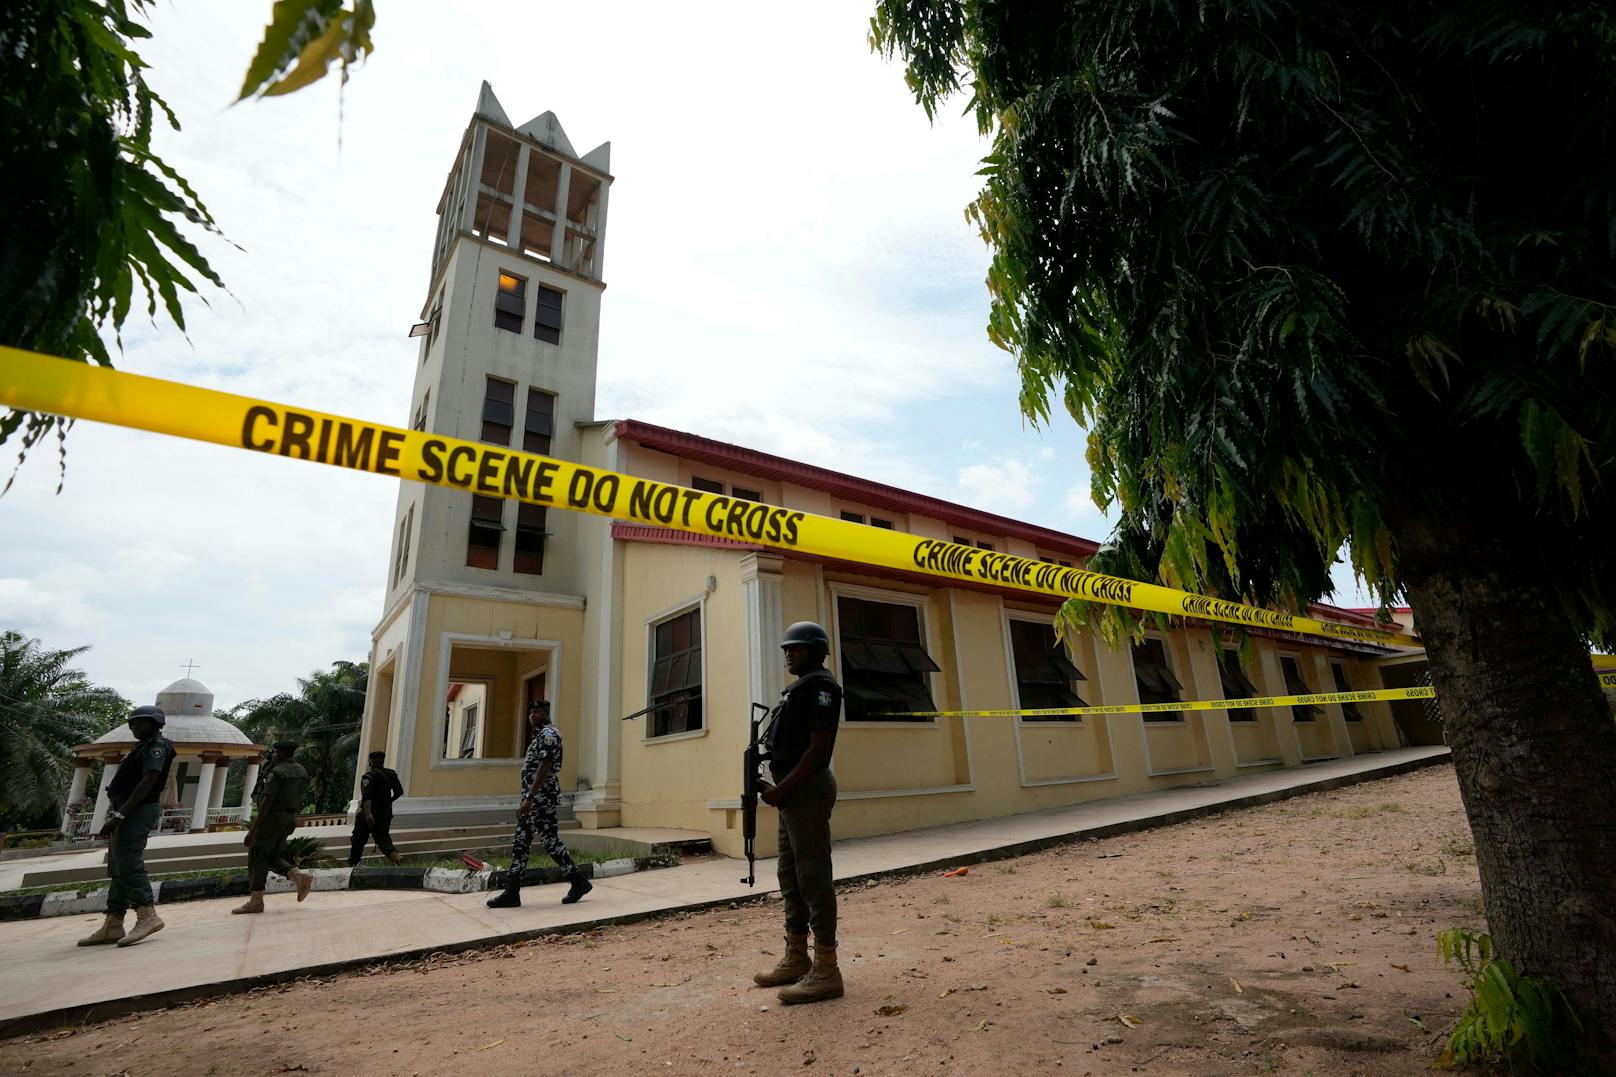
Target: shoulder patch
<point>824,698</point>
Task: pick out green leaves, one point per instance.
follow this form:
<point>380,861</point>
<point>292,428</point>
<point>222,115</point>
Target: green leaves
<point>303,39</point>
<point>1510,1018</point>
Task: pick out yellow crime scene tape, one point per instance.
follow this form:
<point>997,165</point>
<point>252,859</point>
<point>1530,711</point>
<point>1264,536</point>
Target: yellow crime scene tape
<point>1318,699</point>
<point>43,383</point>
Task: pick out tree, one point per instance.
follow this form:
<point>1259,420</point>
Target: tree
<point>88,208</point>
<point>46,708</point>
<point>324,715</point>
<point>1321,277</point>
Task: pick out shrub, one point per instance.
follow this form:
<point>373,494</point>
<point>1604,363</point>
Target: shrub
<point>1514,1019</point>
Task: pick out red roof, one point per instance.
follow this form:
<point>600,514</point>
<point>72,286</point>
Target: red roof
<point>847,487</point>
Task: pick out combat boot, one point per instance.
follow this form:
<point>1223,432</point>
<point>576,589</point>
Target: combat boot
<point>510,897</point>
<point>146,924</point>
<point>111,930</point>
<point>823,981</point>
<point>793,964</point>
<point>255,903</point>
<point>394,858</point>
<point>304,882</point>
<point>580,887</point>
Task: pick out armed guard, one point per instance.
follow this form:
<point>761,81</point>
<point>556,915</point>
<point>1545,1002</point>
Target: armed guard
<point>134,795</point>
<point>273,823</point>
<point>378,788</point>
<point>541,797</point>
<point>800,743</point>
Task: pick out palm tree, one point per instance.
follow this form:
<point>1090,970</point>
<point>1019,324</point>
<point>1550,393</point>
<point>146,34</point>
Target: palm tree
<point>324,716</point>
<point>45,709</point>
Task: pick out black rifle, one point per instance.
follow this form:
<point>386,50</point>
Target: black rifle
<point>751,778</point>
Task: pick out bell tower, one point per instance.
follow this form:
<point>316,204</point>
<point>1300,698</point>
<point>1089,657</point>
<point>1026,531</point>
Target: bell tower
<point>508,351</point>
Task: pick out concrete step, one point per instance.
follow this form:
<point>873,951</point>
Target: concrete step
<point>334,842</point>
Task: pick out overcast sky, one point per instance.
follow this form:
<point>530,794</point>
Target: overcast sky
<point>787,263</point>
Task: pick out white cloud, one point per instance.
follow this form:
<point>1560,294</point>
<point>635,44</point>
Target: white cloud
<point>1005,488</point>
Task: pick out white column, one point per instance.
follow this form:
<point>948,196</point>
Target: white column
<point>75,791</point>
<point>765,622</point>
<point>600,233</point>
<point>474,177</point>
<point>518,194</point>
<point>558,238</point>
<point>204,792</point>
<point>247,790</point>
<point>217,799</point>
<point>109,768</point>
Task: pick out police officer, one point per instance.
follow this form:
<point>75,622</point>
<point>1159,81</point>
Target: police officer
<point>378,788</point>
<point>800,743</point>
<point>134,797</point>
<point>273,823</point>
<point>541,796</point>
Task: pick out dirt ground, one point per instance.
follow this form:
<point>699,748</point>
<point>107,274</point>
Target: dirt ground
<point>1295,938</point>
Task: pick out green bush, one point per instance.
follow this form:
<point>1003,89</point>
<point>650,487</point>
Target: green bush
<point>303,852</point>
<point>1514,1019</point>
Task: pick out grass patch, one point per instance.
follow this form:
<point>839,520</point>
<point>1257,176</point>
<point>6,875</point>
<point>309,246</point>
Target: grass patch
<point>1056,900</point>
<point>1458,846</point>
<point>1420,867</point>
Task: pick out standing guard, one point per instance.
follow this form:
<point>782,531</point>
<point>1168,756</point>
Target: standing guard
<point>801,741</point>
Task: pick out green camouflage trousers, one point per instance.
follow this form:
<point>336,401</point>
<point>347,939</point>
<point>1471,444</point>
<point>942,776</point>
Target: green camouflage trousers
<point>806,882</point>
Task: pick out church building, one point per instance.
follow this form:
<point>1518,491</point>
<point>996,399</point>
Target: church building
<point>491,603</point>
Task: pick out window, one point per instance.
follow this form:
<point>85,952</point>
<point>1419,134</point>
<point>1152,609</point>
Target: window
<point>482,541</point>
<point>711,486</point>
<point>742,494</point>
<point>984,545</point>
<point>510,304</point>
<point>961,540</point>
<point>1236,685</point>
<point>1296,686</point>
<point>538,425</point>
<point>884,662</point>
<point>498,412</point>
<point>436,318</point>
<point>1045,677</point>
<point>1349,711</point>
<point>531,531</point>
<point>876,521</point>
<point>675,688</point>
<point>852,517</point>
<point>419,422</point>
<point>1155,679</point>
<point>547,315</point>
<point>469,731</point>
<point>402,560</point>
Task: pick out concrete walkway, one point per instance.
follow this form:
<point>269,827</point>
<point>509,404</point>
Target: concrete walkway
<point>45,979</point>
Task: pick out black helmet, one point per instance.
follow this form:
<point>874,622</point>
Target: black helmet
<point>154,713</point>
<point>807,632</point>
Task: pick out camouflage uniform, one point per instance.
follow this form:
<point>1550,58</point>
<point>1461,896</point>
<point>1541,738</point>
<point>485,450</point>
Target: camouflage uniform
<point>541,820</point>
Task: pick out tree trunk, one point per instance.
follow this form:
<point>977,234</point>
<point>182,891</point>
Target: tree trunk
<point>1534,747</point>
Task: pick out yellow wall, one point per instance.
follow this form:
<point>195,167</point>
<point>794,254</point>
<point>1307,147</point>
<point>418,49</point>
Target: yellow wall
<point>430,775</point>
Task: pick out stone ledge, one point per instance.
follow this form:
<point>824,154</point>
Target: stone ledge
<point>441,880</point>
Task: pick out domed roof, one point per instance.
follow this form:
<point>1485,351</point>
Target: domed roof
<point>185,730</point>
<point>186,697</point>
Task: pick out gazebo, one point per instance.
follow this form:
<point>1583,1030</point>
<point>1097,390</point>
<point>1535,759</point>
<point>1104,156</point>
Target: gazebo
<point>203,748</point>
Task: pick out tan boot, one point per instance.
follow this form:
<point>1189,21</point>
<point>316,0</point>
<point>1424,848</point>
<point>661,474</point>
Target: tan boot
<point>146,924</point>
<point>793,964</point>
<point>304,882</point>
<point>255,903</point>
<point>394,858</point>
<point>111,930</point>
<point>823,981</point>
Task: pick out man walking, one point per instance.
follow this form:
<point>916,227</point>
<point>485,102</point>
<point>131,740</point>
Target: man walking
<point>273,823</point>
<point>378,788</point>
<point>541,796</point>
<point>134,797</point>
<point>800,742</point>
